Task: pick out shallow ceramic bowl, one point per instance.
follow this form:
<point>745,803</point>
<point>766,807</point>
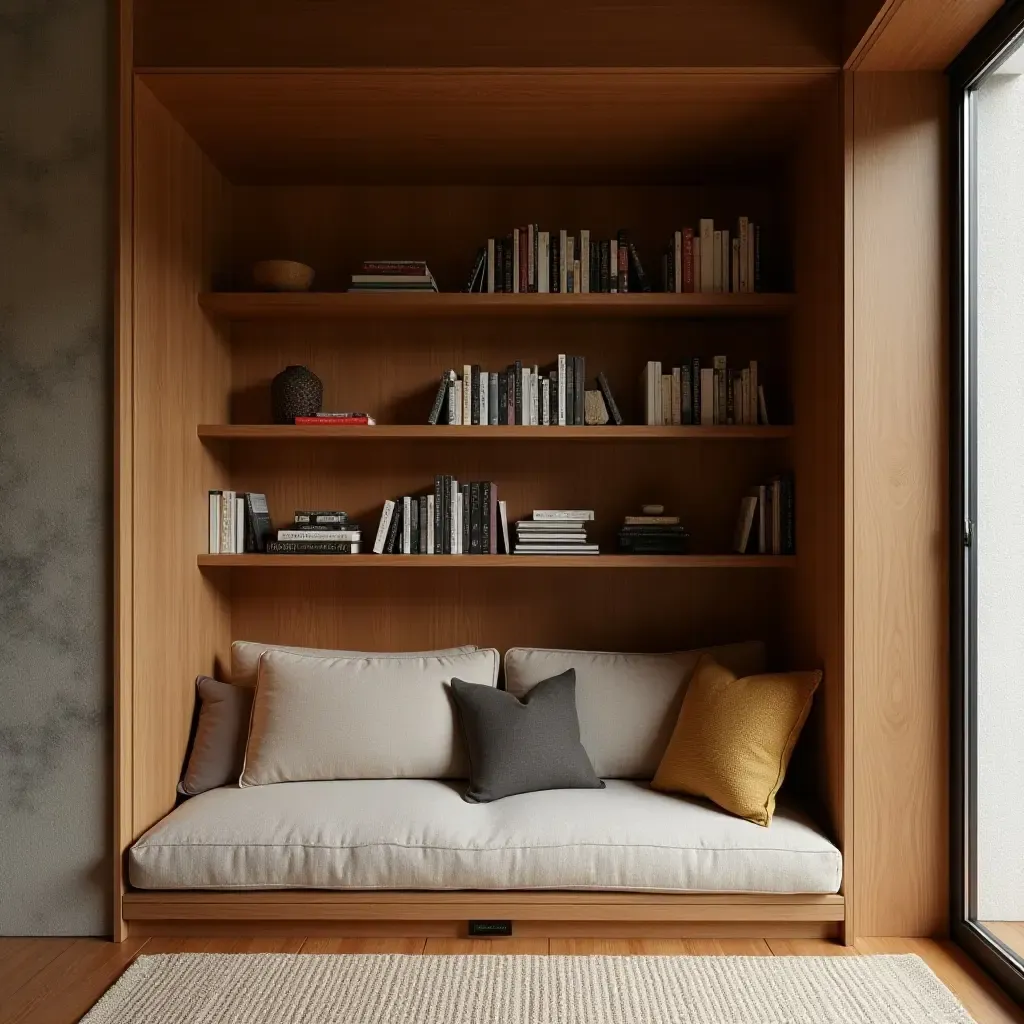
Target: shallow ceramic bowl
<point>282,276</point>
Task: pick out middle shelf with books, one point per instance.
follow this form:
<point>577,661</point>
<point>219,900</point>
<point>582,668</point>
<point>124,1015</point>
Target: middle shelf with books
<point>729,561</point>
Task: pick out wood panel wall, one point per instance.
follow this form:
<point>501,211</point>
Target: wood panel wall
<point>180,375</point>
<point>897,451</point>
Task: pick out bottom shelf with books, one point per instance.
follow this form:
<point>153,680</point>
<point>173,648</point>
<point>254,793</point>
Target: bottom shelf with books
<point>497,561</point>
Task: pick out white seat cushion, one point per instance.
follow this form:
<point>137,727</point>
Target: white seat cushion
<point>421,834</point>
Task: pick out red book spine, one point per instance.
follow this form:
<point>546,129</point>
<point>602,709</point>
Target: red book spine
<point>331,421</point>
<point>687,259</point>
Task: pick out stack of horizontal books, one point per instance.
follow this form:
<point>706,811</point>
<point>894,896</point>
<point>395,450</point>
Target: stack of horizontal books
<point>316,532</point>
<point>555,532</point>
<point>653,533</point>
<point>393,276</point>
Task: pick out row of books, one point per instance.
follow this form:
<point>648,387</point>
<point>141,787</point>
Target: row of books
<point>453,519</point>
<point>240,523</point>
<point>710,259</point>
<point>767,524</point>
<point>519,395</point>
<point>393,276</point>
<point>706,395</point>
<point>555,532</point>
<point>336,419</point>
<point>531,260</point>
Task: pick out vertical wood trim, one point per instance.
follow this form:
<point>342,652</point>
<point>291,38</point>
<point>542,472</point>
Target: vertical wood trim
<point>123,455</point>
<point>898,454</point>
<point>849,926</point>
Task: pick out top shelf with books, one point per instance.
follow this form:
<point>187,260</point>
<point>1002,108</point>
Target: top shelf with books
<point>241,306</point>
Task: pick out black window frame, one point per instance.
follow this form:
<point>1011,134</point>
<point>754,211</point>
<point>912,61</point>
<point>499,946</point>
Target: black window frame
<point>981,54</point>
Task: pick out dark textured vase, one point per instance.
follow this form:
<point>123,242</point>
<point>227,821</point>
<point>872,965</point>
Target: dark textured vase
<point>296,391</point>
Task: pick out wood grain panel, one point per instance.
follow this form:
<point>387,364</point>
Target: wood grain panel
<point>444,125</point>
<point>477,947</point>
<point>919,35</point>
<point>817,451</point>
<point>180,374</point>
<point>456,32</point>
<point>659,947</point>
<point>898,504</point>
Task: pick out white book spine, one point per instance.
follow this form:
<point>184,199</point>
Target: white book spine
<point>545,401</point>
<point>677,398</point>
<point>743,222</point>
<point>453,405</point>
<point>457,548</point>
<point>484,397</point>
<point>726,254</point>
<point>535,396</point>
<point>707,396</point>
<point>659,411</point>
<point>531,266</point>
<point>562,245</point>
<point>677,284</point>
<point>458,403</point>
<point>322,535</point>
<point>561,390</point>
<point>717,267</point>
<point>456,533</point>
<point>698,266</point>
<point>239,526</point>
<point>544,260</point>
<point>430,524</point>
<point>382,529</point>
<point>613,265</point>
<point>406,525</point>
<point>515,260</point>
<point>490,264</point>
<point>467,394</point>
<point>214,504</point>
<point>585,261</point>
<point>707,255</point>
<point>548,515</point>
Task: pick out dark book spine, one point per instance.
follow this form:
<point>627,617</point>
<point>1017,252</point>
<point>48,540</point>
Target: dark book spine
<point>670,268</point>
<point>508,263</point>
<point>311,547</point>
<point>536,258</point>
<point>757,257</point>
<point>439,399</point>
<point>580,389</point>
<point>609,399</point>
<point>394,542</point>
<point>475,520</point>
<point>524,260</point>
<point>304,516</point>
<point>474,408</point>
<point>438,515</point>
<point>466,519</point>
<point>554,283</point>
<point>638,269</point>
<point>606,270</point>
<point>492,400</point>
<point>446,515</point>
<point>623,241</point>
<point>499,264</point>
<point>486,520</point>
<point>553,398</point>
<point>481,258</point>
<point>510,395</point>
<point>414,526</point>
<point>503,399</point>
<point>518,375</point>
<point>595,267</point>
<point>695,382</point>
<point>788,517</point>
<point>570,387</point>
<point>424,535</point>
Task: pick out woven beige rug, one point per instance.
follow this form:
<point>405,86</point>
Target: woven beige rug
<point>282,988</point>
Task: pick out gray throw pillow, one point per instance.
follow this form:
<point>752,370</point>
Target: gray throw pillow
<point>522,746</point>
<point>218,747</point>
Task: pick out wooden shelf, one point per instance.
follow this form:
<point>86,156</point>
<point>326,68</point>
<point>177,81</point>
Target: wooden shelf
<point>421,432</point>
<point>497,561</point>
<point>346,305</point>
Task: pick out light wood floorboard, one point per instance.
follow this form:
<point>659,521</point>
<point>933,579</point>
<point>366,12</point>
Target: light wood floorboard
<point>55,981</point>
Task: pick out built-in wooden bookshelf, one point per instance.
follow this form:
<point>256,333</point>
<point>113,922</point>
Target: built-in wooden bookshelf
<point>343,305</point>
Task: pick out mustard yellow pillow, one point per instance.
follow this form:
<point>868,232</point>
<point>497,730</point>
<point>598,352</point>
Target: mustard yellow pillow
<point>734,737</point>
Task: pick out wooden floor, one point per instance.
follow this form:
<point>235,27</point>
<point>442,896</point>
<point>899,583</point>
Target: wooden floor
<point>55,981</point>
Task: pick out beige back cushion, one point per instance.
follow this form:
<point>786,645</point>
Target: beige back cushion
<point>627,703</point>
<point>245,657</point>
<point>376,717</point>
